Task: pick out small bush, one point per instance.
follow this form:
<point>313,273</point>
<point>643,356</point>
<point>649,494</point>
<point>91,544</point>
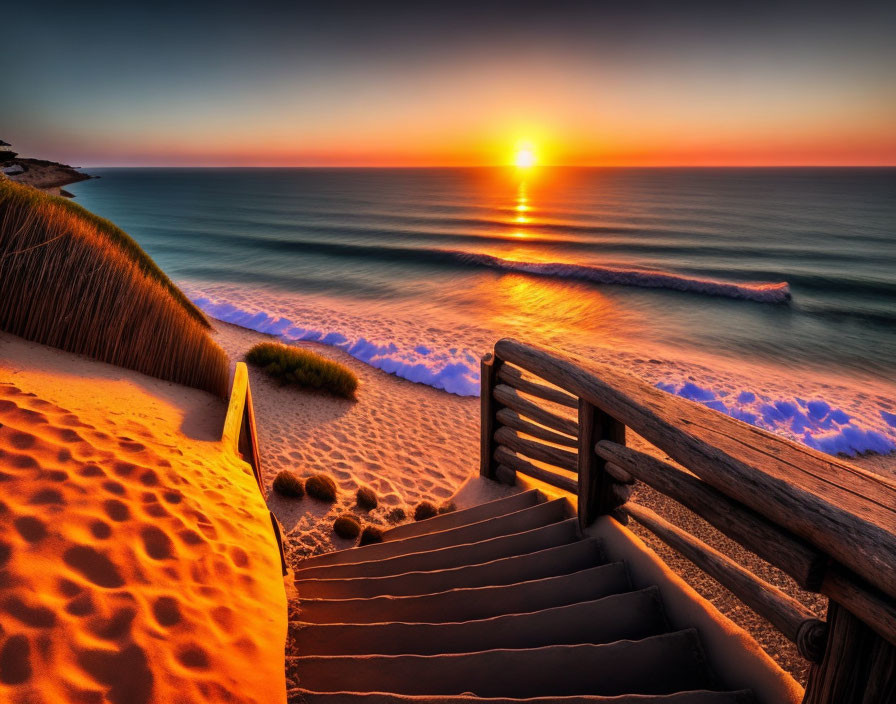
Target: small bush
<point>370,535</point>
<point>447,507</point>
<point>288,484</point>
<point>366,498</point>
<point>424,510</point>
<point>396,515</point>
<point>321,487</point>
<point>347,526</point>
<point>293,365</point>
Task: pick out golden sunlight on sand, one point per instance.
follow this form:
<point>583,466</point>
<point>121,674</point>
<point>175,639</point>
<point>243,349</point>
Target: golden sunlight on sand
<point>139,562</point>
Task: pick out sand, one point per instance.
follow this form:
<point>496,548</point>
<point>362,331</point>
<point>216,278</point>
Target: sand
<point>411,442</point>
<point>138,560</point>
<point>408,442</point>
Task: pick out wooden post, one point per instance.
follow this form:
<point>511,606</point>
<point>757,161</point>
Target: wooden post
<point>859,667</point>
<point>598,494</point>
<point>489,408</point>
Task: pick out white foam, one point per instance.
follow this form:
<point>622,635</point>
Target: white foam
<point>644,278</point>
<point>444,354</point>
<point>454,371</point>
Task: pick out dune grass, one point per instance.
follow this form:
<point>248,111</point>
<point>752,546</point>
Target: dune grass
<point>288,484</point>
<point>72,280</point>
<point>347,526</point>
<point>321,487</point>
<point>370,535</point>
<point>293,365</point>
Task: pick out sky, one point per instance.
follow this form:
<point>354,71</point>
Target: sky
<point>444,84</point>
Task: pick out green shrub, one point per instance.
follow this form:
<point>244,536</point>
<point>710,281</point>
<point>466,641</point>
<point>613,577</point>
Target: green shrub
<point>366,498</point>
<point>321,487</point>
<point>370,535</point>
<point>294,365</point>
<point>288,484</point>
<point>447,507</point>
<point>424,510</point>
<point>347,526</point>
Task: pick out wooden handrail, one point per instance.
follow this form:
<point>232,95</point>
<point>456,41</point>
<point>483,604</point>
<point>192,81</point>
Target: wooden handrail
<point>833,506</point>
<point>239,436</point>
<point>788,615</point>
<point>514,377</point>
<point>510,459</point>
<point>805,564</point>
<point>514,420</point>
<point>564,459</point>
<point>827,524</point>
<point>510,398</point>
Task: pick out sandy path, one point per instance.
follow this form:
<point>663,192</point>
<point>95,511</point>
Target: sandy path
<point>137,557</point>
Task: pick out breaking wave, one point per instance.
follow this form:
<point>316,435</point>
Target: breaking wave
<point>644,278</point>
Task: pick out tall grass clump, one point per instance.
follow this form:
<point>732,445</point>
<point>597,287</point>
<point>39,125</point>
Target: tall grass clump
<point>72,280</point>
<point>293,365</point>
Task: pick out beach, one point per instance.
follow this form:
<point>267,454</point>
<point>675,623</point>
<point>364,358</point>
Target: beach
<point>410,442</point>
<point>139,564</point>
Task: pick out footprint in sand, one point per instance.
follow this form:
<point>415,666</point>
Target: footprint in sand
<point>157,543</point>
<point>93,566</point>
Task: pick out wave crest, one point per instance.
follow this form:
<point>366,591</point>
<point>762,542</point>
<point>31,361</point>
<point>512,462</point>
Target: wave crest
<point>644,278</point>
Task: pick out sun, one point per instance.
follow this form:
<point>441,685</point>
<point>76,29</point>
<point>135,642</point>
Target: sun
<point>524,157</point>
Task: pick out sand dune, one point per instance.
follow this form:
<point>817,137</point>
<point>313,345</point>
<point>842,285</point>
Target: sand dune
<point>137,558</point>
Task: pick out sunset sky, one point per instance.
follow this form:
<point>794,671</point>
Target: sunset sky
<point>416,84</point>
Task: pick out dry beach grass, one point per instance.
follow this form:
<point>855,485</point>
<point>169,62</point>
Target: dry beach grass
<point>74,281</point>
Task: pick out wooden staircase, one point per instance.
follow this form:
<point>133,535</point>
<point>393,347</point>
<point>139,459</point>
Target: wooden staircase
<point>502,602</point>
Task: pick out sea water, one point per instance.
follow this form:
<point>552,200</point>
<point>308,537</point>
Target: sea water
<point>419,271</point>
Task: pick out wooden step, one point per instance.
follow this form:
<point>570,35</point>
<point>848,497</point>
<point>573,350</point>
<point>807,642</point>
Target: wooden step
<point>469,554</point>
<point>564,559</point>
<point>470,604</point>
<point>482,512</point>
<point>303,696</point>
<point>508,524</point>
<point>663,664</point>
<point>627,616</point>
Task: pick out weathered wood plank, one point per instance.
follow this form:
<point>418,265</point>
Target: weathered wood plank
<point>488,408</point>
<point>858,667</point>
<point>512,376</point>
<point>514,420</point>
<point>511,399</point>
<point>836,507</point>
<point>789,616</point>
<point>536,450</point>
<point>597,495</point>
<point>874,608</point>
<point>805,564</point>
<point>519,464</point>
<point>619,474</point>
<point>252,440</point>
<point>233,421</point>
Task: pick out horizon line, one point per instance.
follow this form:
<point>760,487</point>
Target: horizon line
<point>487,166</point>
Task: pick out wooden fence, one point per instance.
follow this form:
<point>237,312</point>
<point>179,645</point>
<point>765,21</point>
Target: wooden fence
<point>828,525</point>
<point>240,438</point>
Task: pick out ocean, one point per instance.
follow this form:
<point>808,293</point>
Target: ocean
<point>419,271</point>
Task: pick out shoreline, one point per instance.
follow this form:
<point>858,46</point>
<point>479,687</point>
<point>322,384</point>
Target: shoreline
<point>384,440</point>
<point>48,176</point>
<point>834,413</point>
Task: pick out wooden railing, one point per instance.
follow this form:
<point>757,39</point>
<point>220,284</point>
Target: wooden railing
<point>826,524</point>
<point>239,437</point>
